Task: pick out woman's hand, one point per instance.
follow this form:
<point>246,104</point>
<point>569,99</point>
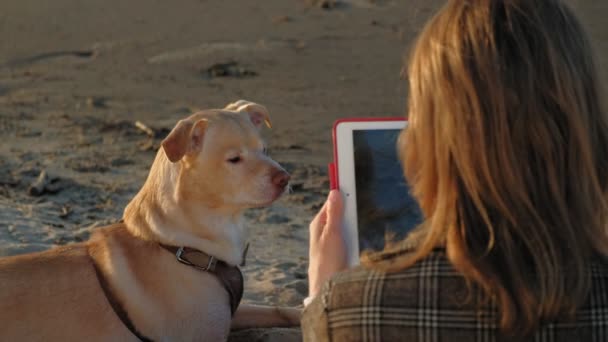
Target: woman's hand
<point>327,254</point>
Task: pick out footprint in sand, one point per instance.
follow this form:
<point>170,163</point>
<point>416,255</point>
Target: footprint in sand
<point>207,49</point>
<point>339,4</point>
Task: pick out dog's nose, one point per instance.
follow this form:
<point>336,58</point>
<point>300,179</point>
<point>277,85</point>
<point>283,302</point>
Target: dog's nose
<point>280,178</point>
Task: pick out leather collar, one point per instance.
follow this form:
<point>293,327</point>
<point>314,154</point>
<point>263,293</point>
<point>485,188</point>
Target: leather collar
<point>230,276</point>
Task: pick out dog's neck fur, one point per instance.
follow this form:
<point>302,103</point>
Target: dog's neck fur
<point>156,214</point>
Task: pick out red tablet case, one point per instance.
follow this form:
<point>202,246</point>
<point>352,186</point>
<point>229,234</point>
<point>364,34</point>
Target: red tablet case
<point>332,168</point>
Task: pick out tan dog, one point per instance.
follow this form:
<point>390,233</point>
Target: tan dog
<point>125,283</point>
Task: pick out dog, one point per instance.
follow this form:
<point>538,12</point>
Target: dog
<point>168,271</point>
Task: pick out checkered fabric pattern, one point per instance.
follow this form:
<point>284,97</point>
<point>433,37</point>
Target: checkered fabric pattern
<point>428,302</point>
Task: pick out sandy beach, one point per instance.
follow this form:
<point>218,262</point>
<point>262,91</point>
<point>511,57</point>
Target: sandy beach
<point>76,77</point>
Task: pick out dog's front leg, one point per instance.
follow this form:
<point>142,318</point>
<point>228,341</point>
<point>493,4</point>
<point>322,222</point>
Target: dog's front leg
<point>261,316</point>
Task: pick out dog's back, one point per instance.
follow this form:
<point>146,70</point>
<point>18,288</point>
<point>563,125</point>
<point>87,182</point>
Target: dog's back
<point>38,300</point>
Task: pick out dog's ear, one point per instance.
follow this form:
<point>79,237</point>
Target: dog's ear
<point>258,114</point>
<point>185,137</point>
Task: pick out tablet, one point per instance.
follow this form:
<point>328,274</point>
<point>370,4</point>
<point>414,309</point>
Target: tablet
<point>368,172</point>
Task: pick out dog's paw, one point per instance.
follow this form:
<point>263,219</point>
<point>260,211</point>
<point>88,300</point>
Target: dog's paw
<point>291,316</point>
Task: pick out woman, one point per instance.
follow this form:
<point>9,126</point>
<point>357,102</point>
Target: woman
<point>506,152</point>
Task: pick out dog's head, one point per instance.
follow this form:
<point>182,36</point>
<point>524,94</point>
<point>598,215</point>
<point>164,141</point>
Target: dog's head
<point>223,160</point>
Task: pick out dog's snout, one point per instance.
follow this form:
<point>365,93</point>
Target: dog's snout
<point>280,178</point>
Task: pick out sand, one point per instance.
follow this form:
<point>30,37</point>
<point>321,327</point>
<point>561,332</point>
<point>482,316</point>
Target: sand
<point>76,76</point>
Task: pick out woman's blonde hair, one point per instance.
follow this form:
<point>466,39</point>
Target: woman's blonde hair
<point>506,152</point>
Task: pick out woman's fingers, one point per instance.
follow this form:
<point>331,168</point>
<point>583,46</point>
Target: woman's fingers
<point>335,212</point>
<point>327,253</point>
<point>318,223</point>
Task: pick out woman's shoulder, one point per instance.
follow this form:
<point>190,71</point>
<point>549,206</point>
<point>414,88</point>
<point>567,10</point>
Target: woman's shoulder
<point>363,286</point>
<point>395,305</point>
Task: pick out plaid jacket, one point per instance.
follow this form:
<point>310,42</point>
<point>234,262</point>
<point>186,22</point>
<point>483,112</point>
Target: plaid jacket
<point>427,303</point>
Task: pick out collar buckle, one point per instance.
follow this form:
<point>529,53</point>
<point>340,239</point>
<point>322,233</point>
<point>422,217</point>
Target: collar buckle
<point>210,264</point>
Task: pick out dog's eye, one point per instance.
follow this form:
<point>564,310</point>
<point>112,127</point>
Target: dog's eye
<point>235,160</point>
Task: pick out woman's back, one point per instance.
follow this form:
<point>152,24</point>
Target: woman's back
<point>431,301</point>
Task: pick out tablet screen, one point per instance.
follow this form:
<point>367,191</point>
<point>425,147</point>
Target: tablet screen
<point>385,208</point>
